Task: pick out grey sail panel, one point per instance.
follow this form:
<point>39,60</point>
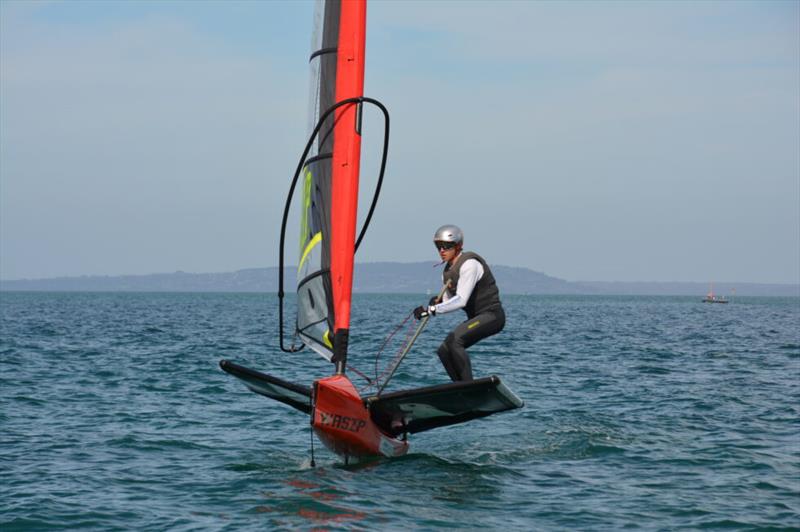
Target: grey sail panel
<point>421,409</point>
<point>315,312</point>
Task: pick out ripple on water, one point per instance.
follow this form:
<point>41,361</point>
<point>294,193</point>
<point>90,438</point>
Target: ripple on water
<point>654,412</point>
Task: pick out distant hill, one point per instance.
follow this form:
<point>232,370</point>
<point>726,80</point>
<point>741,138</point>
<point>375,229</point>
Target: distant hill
<point>380,277</point>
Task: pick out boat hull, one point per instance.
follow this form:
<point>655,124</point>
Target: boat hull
<point>342,422</point>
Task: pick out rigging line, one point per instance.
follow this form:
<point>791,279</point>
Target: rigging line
<point>386,341</point>
<point>311,431</point>
<point>404,350</point>
<point>301,332</point>
<point>409,333</point>
<point>311,422</point>
<point>407,348</point>
<point>397,356</point>
<point>381,172</point>
<point>360,374</point>
<point>399,353</point>
<point>358,100</point>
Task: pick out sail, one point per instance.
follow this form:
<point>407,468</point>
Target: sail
<point>329,198</point>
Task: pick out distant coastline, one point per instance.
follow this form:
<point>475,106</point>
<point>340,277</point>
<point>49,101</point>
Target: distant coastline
<point>385,277</point>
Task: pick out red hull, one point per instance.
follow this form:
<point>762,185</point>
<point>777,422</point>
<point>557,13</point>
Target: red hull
<point>343,423</point>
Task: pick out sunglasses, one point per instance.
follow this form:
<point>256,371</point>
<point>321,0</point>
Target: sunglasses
<point>444,245</point>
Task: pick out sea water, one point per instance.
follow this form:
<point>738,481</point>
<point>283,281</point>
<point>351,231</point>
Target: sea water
<point>640,412</point>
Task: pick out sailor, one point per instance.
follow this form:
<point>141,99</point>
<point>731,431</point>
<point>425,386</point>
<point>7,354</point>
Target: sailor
<point>471,287</point>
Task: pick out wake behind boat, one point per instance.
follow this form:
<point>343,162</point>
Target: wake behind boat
<point>377,424</point>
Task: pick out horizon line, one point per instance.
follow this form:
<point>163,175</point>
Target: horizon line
<point>433,264</point>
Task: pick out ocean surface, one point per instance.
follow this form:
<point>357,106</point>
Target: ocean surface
<point>656,413</point>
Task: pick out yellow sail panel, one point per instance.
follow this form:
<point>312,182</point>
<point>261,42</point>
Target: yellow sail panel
<point>317,238</point>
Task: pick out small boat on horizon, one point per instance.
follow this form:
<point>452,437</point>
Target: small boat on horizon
<point>712,298</point>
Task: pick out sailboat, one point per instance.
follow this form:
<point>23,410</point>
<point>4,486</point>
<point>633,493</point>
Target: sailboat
<point>351,425</point>
<point>713,298</point>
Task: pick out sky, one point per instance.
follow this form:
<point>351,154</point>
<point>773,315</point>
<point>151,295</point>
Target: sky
<point>603,141</point>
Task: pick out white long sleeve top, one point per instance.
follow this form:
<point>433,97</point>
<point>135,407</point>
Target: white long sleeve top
<point>469,274</point>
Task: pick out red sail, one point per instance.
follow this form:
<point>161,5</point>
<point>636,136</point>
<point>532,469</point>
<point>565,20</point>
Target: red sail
<point>346,157</point>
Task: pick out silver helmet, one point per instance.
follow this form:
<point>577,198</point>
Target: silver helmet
<point>449,233</point>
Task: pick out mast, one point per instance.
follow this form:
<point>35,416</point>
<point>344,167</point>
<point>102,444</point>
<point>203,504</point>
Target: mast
<point>345,169</point>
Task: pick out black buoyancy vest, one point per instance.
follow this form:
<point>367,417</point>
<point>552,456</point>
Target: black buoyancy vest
<point>484,296</point>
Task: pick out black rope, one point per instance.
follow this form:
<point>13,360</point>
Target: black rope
<point>381,172</point>
<point>311,429</point>
<point>360,374</point>
<point>349,101</point>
